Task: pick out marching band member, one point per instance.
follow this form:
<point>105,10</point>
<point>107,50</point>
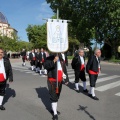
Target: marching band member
<point>37,63</point>
<point>5,73</point>
<point>54,66</point>
<point>93,69</point>
<point>32,59</point>
<point>23,54</point>
<point>42,58</point>
<point>78,63</point>
<point>64,58</point>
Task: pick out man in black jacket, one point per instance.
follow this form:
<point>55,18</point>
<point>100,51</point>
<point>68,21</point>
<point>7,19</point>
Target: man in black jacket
<point>63,57</point>
<point>37,63</point>
<point>32,59</point>
<point>42,58</point>
<point>93,69</point>
<point>79,67</point>
<point>5,73</point>
<point>54,66</point>
<point>23,54</point>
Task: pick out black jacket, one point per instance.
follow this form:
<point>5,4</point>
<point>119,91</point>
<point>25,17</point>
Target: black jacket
<point>40,56</point>
<point>51,67</point>
<point>66,59</point>
<point>37,56</point>
<point>31,56</point>
<point>92,64</point>
<point>8,70</point>
<point>76,62</point>
<point>23,53</point>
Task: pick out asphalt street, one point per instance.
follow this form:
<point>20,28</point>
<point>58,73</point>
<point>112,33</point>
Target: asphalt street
<point>27,98</point>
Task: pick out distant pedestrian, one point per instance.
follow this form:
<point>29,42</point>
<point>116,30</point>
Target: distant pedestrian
<point>23,54</point>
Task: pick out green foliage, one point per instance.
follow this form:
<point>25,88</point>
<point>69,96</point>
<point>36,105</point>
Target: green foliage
<point>14,44</point>
<point>91,19</point>
<point>37,35</point>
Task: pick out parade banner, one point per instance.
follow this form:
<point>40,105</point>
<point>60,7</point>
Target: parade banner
<point>57,35</point>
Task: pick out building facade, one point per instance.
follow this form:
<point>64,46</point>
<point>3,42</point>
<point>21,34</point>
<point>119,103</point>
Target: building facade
<point>5,28</point>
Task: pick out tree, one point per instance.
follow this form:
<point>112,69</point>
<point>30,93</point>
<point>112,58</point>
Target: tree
<point>14,44</point>
<point>37,35</point>
<point>92,19</point>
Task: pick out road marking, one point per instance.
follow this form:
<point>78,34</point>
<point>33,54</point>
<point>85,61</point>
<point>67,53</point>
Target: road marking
<point>108,86</point>
<point>118,94</point>
<point>21,70</point>
<point>30,72</point>
<point>70,72</point>
<point>87,77</point>
<point>105,79</point>
<point>21,67</point>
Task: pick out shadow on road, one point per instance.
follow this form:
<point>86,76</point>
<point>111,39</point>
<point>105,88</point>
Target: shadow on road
<point>9,93</point>
<point>82,108</point>
<point>72,86</point>
<point>43,94</point>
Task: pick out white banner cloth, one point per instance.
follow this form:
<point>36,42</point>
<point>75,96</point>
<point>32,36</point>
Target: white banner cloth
<point>57,36</point>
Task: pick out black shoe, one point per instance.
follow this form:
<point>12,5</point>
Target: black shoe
<point>2,107</point>
<point>86,91</point>
<point>90,95</point>
<point>95,98</point>
<point>55,117</point>
<point>53,112</point>
<point>76,90</point>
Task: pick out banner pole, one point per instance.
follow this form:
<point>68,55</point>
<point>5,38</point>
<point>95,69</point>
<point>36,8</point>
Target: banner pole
<point>57,89</point>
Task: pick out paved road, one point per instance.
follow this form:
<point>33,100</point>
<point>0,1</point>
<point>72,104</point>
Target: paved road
<point>28,99</point>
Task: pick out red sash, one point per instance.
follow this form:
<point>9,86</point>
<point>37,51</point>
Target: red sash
<point>94,73</point>
<point>82,67</point>
<point>24,57</point>
<point>60,74</point>
<point>2,79</point>
<point>34,58</point>
<point>43,60</point>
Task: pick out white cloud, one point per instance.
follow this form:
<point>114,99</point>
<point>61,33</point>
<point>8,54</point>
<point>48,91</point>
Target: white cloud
<point>45,12</point>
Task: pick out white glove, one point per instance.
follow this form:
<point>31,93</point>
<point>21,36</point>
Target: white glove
<point>64,76</point>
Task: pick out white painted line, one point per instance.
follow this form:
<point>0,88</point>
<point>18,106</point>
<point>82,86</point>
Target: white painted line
<point>71,75</point>
<point>21,67</point>
<point>108,86</point>
<point>30,72</point>
<point>87,77</point>
<point>69,72</point>
<point>21,70</point>
<point>118,94</point>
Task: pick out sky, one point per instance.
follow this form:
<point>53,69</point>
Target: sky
<point>21,13</point>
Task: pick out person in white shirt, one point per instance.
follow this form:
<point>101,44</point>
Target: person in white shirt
<point>32,59</point>
<point>5,74</point>
<point>78,64</point>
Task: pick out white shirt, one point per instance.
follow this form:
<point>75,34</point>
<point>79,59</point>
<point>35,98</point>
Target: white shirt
<point>63,56</point>
<point>98,62</point>
<point>2,68</point>
<point>82,60</point>
<point>33,54</point>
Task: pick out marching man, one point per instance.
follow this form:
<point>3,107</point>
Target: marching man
<point>93,69</point>
<point>78,64</point>
<point>64,58</point>
<point>23,54</point>
<point>32,59</point>
<point>42,58</point>
<point>5,73</point>
<point>54,68</point>
<point>37,63</point>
